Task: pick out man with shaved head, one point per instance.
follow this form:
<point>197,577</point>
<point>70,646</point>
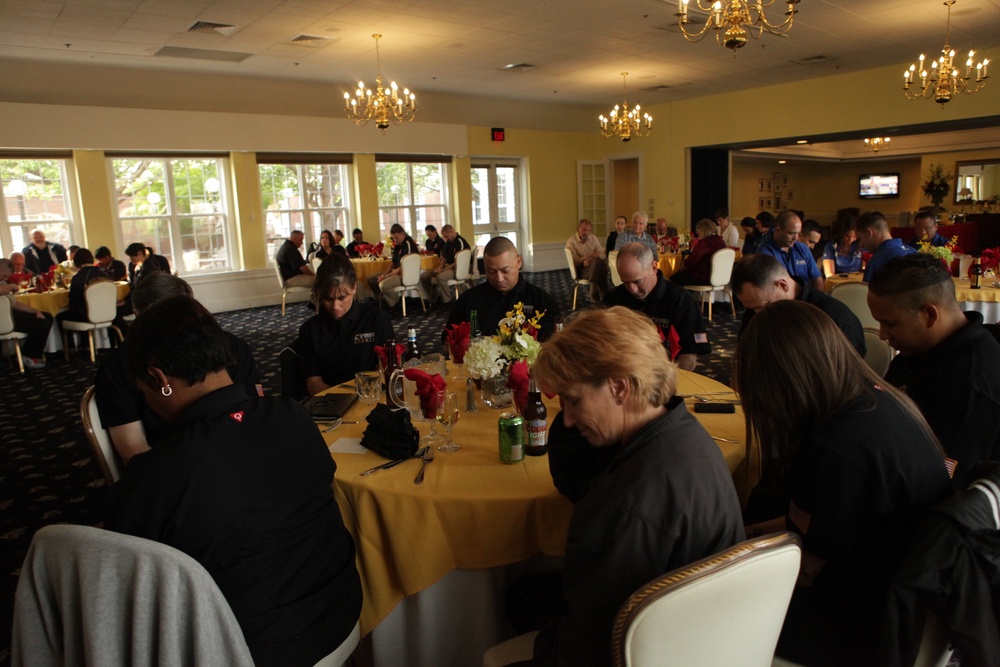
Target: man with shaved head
<point>504,288</point>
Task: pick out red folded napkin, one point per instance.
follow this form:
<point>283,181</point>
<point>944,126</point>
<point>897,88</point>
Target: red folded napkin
<point>457,338</point>
<point>377,250</point>
<point>16,278</point>
<point>428,387</point>
<point>517,380</point>
<point>46,279</point>
<point>380,351</point>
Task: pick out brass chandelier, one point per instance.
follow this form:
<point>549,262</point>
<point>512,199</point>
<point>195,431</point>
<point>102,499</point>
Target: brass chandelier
<point>382,106</point>
<point>735,21</point>
<point>875,144</point>
<point>944,81</point>
<point>624,123</point>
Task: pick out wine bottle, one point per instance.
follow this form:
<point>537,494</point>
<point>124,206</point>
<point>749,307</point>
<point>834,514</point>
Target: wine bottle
<point>976,274</point>
<point>534,421</point>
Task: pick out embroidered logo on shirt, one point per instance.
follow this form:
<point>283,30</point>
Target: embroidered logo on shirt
<point>950,465</point>
<point>701,338</point>
<point>799,517</point>
<point>363,338</point>
<point>237,416</point>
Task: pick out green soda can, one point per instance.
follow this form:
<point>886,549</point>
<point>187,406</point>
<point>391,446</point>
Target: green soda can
<point>511,436</point>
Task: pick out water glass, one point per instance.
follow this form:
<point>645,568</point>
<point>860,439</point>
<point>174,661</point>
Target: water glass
<point>369,386</point>
<point>447,415</point>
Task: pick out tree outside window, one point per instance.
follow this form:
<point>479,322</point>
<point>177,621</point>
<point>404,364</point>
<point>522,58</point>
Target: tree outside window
<point>307,197</point>
<point>35,197</point>
<point>412,194</point>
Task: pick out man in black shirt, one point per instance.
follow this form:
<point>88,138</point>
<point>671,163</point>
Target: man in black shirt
<point>359,239</point>
<point>502,290</point>
<point>115,268</point>
<point>669,305</point>
<point>295,270</point>
<point>947,363</point>
<point>445,270</point>
<point>760,279</point>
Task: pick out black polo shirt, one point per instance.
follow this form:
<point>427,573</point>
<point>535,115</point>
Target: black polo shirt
<point>453,247</point>
<point>401,250</point>
<point>337,349</point>
<point>78,288</point>
<point>436,245</point>
<point>668,305</point>
<point>116,270</point>
<point>245,488</point>
<point>119,401</point>
<point>491,306</point>
<point>289,260</point>
<point>838,311</point>
<point>352,248</point>
<point>957,387</point>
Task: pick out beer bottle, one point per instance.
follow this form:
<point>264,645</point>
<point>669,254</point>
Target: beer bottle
<point>412,351</point>
<point>534,421</point>
<point>474,325</point>
<point>976,274</point>
<point>391,364</point>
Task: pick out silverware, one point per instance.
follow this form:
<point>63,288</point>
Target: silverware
<point>385,466</point>
<point>334,424</point>
<point>427,457</point>
<point>735,442</point>
<point>470,396</point>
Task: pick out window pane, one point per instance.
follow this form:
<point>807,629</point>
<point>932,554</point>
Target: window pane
<point>393,183</point>
<point>390,216</point>
<point>309,197</point>
<point>35,198</point>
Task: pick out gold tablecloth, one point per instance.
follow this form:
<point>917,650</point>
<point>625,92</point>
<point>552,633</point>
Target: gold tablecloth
<point>988,293</point>
<point>670,263</point>
<point>58,299</point>
<point>472,511</point>
<point>840,279</point>
<point>369,267</point>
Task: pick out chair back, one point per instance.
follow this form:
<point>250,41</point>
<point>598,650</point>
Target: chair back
<point>6,316</point>
<point>315,262</point>
<point>616,279</point>
<point>727,609</point>
<point>855,297</point>
<point>411,269</point>
<point>475,275</point>
<point>277,272</point>
<point>879,353</point>
<point>99,438</point>
<point>102,301</point>
<point>463,261</point>
<point>569,262</point>
<point>722,266</point>
<point>117,599</point>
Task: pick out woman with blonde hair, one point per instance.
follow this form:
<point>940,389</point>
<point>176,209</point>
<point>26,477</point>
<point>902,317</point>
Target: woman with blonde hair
<point>857,463</point>
<point>698,265</point>
<point>651,490</point>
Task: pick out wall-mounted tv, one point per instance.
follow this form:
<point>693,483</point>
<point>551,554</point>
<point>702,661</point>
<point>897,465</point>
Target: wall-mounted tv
<point>878,186</point>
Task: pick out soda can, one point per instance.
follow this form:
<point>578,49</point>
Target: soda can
<point>511,437</point>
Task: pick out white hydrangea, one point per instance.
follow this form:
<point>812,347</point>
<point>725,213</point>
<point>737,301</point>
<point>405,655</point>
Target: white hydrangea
<point>484,359</point>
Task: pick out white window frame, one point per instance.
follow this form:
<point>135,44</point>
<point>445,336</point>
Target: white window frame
<point>12,201</point>
<point>412,219</point>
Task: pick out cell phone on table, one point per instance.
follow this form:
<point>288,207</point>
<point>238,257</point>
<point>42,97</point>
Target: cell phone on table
<point>723,408</point>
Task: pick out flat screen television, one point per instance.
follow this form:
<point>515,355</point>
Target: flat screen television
<point>878,186</point>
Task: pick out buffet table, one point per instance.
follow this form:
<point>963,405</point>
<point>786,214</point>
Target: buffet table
<point>440,547</point>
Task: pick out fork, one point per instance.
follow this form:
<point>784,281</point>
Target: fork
<point>428,457</point>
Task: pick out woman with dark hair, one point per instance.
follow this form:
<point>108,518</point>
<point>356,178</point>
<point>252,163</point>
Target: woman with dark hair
<point>328,245</point>
<point>86,274</point>
<point>843,256</point>
<point>651,490</point>
<point>858,465</point>
<point>698,265</point>
<point>340,339</point>
<point>244,488</point>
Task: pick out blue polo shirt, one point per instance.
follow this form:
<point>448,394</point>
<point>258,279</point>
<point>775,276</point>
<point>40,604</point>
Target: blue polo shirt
<point>883,253</point>
<point>798,259</point>
<point>938,241</point>
<point>846,263</point>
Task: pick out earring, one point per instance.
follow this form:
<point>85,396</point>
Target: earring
<point>167,391</point>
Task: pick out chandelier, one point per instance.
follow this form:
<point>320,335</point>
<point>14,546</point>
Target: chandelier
<point>944,82</point>
<point>875,144</point>
<point>383,106</point>
<point>624,123</point>
<point>735,20</point>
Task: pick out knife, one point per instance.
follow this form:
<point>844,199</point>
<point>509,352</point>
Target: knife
<point>385,466</point>
<point>428,457</point>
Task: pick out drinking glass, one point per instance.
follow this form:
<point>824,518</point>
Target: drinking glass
<point>447,415</point>
<point>369,387</point>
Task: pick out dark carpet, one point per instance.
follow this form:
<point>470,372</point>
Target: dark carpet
<point>48,475</point>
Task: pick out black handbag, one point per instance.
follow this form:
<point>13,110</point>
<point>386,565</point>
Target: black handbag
<point>390,433</point>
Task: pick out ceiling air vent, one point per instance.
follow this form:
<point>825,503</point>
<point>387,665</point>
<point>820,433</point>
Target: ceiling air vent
<point>811,60</point>
<point>210,28</point>
<point>310,40</point>
<point>201,54</point>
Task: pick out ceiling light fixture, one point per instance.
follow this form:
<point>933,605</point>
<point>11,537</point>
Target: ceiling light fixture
<point>381,106</point>
<point>625,124</point>
<point>735,21</point>
<point>876,144</point>
<point>944,82</point>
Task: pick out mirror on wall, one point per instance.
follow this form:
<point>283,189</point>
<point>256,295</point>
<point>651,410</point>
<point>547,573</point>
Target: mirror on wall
<point>977,181</point>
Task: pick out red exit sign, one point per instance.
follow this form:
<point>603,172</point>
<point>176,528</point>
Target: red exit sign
<point>497,133</point>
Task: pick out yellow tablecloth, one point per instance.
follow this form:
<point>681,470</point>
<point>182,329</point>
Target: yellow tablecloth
<point>368,267</point>
<point>670,263</point>
<point>988,293</point>
<point>472,511</point>
<point>840,279</point>
<point>56,300</point>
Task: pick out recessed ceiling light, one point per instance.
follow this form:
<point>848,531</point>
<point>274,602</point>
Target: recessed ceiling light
<point>802,141</point>
<point>782,161</point>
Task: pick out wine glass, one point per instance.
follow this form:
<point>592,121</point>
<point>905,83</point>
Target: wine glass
<point>447,415</point>
<point>369,387</point>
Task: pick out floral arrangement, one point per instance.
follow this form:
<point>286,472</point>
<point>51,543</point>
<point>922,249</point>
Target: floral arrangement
<point>945,253</point>
<point>489,356</point>
<point>937,186</point>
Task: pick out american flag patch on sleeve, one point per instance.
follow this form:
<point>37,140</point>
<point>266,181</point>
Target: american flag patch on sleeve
<point>799,517</point>
<point>950,465</point>
<point>701,338</point>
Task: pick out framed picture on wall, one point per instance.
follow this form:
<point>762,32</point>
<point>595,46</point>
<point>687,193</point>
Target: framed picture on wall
<point>767,204</point>
<point>760,185</point>
<point>790,195</point>
<point>761,204</point>
<point>777,202</point>
<point>767,185</point>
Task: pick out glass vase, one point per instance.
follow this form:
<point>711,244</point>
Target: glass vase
<point>495,392</point>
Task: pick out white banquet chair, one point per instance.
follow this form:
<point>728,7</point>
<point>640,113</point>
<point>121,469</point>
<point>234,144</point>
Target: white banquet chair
<point>285,291</point>
<point>99,438</point>
<point>722,272</point>
<point>410,280</point>
<point>879,353</point>
<point>102,308</point>
<point>855,297</point>
<point>577,282</point>
<point>463,260</point>
<point>616,279</point>
<point>7,333</point>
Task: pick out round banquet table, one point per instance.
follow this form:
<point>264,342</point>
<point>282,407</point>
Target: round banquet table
<point>985,300</point>
<point>53,301</point>
<point>841,278</point>
<point>372,267</point>
<point>670,263</point>
<point>472,513</point>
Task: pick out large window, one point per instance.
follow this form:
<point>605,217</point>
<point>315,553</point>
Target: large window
<point>35,196</point>
<point>177,206</point>
<point>307,197</point>
<point>496,201</point>
<point>413,194</point>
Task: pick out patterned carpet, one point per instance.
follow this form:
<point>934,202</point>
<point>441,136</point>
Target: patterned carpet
<point>47,473</point>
